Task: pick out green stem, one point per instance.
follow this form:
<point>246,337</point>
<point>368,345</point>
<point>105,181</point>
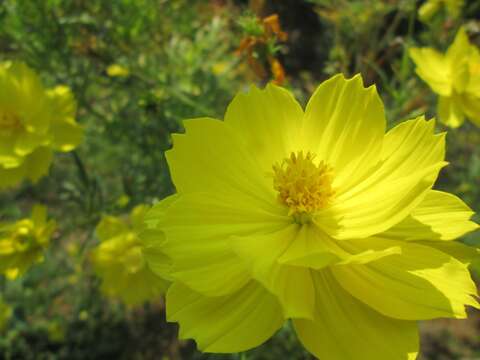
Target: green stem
<point>82,173</point>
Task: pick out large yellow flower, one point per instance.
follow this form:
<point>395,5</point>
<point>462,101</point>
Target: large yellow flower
<point>455,77</point>
<point>23,243</point>
<point>34,122</point>
<point>315,216</point>
<point>119,261</point>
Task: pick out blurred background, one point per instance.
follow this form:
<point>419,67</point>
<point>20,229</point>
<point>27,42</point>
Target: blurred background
<point>137,68</point>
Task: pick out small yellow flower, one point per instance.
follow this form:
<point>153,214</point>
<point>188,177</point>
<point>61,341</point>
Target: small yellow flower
<point>123,201</point>
<point>23,243</point>
<point>455,77</point>
<point>431,7</point>
<point>317,216</point>
<point>119,261</point>
<point>34,122</point>
<point>116,70</point>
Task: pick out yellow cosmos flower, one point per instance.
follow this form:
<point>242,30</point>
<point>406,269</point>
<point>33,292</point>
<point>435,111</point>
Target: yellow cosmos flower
<point>118,260</point>
<point>316,216</point>
<point>455,77</point>
<point>23,243</point>
<point>431,7</point>
<point>34,122</point>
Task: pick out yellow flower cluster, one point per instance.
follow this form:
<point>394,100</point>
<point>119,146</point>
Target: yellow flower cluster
<point>119,261</point>
<point>23,243</point>
<point>348,240</point>
<point>34,122</point>
<point>455,77</point>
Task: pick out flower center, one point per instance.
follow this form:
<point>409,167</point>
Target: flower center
<point>9,123</point>
<point>303,186</point>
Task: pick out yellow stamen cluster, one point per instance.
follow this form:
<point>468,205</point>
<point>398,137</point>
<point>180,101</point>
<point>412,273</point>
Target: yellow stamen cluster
<point>303,186</point>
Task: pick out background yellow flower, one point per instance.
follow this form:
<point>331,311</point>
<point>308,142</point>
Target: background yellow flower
<point>455,77</point>
<point>34,122</point>
<point>119,261</point>
<point>23,242</point>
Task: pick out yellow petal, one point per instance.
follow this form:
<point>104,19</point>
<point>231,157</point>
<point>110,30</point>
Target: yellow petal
<point>292,285</point>
<point>344,126</point>
<point>314,249</point>
<point>152,241</point>
<point>346,329</point>
<point>411,159</point>
<point>28,142</point>
<point>225,324</point>
<point>463,253</point>
<point>38,163</point>
<point>311,248</point>
<point>198,227</point>
<point>212,156</point>
<point>420,283</point>
<point>157,211</point>
<point>460,48</point>
<point>67,135</point>
<point>8,157</point>
<point>473,87</point>
<point>428,9</point>
<point>471,107</point>
<point>137,217</point>
<point>440,216</point>
<point>11,177</point>
<point>434,69</point>
<point>450,111</point>
<point>63,102</point>
<point>268,120</point>
<point>454,7</point>
<point>22,93</point>
<point>459,55</point>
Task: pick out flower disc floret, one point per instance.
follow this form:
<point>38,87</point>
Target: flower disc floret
<point>303,186</point>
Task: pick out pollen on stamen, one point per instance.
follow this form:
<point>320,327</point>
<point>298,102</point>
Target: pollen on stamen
<point>302,185</point>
